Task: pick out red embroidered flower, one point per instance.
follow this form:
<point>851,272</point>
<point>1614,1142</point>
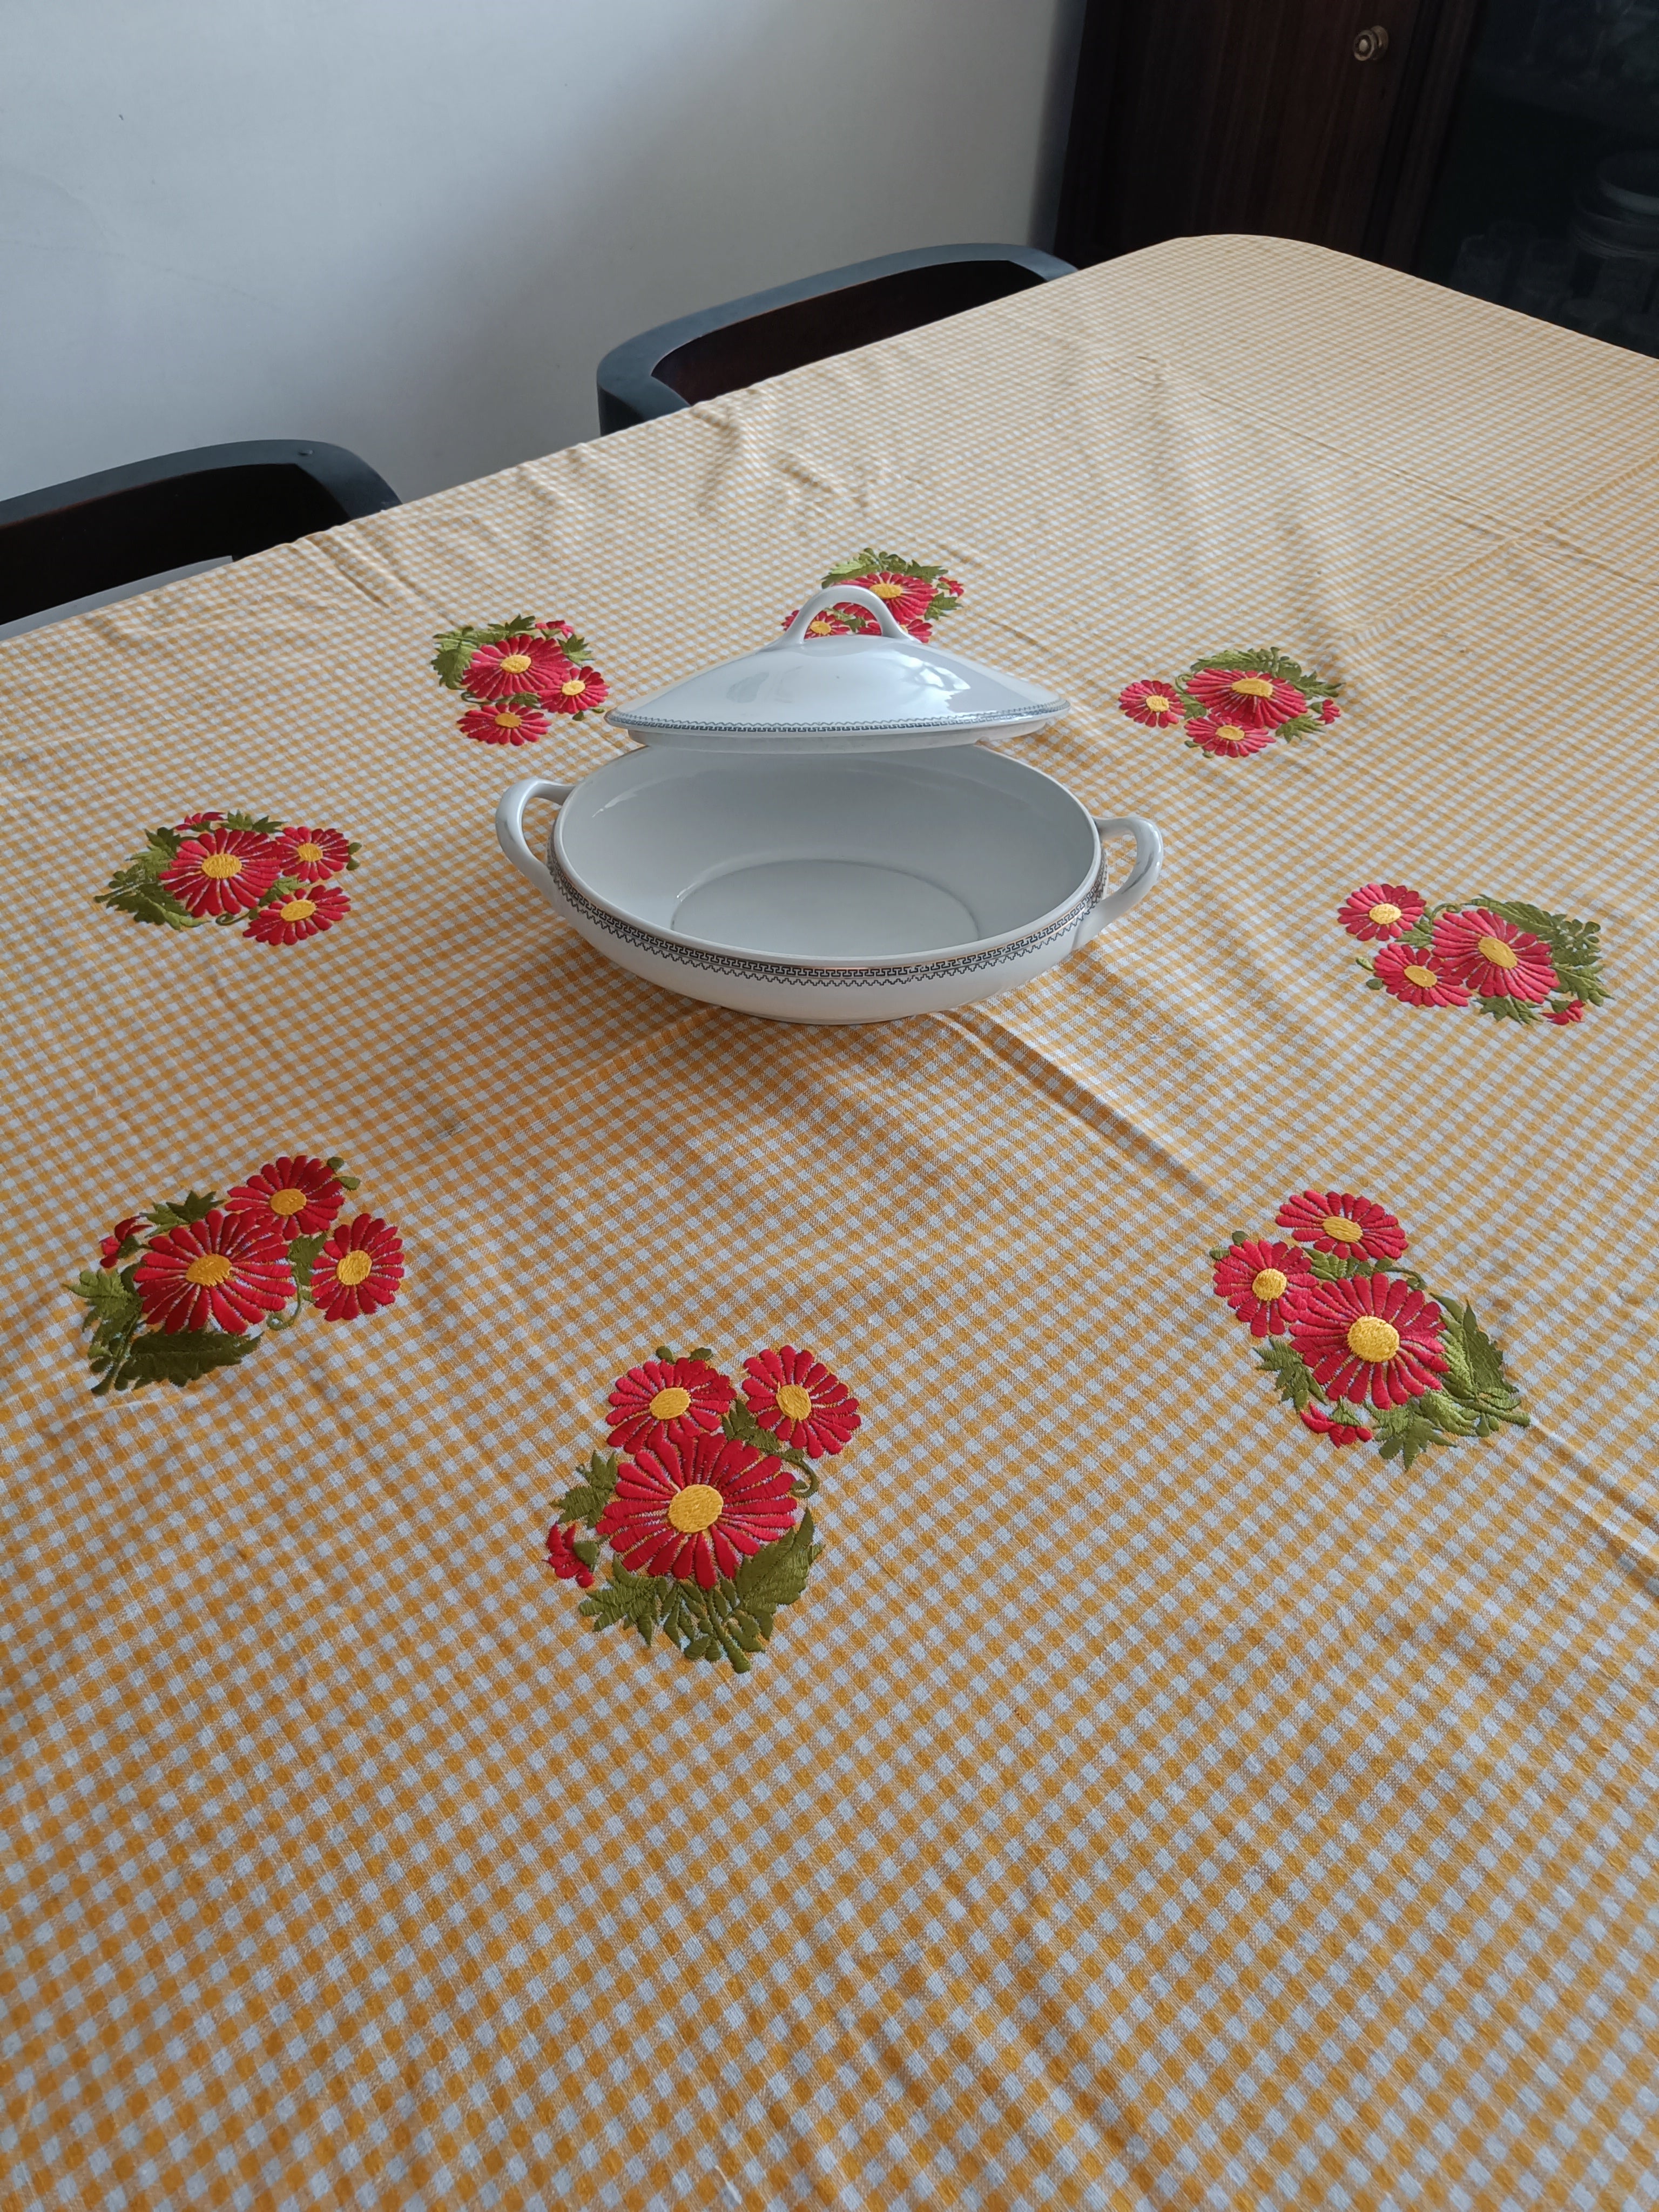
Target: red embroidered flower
<point>907,598</point>
<point>312,855</point>
<point>800,1400</point>
<point>228,1271</point>
<point>296,1196</point>
<point>314,907</point>
<point>671,1400</point>
<point>109,1252</point>
<point>221,871</point>
<point>358,1269</point>
<point>696,1509</point>
<point>1257,1278</point>
<point>580,691</point>
<point>563,1558</point>
<point>1381,910</point>
<point>1570,1010</point>
<point>555,629</point>
<point>1329,713</point>
<point>1494,957</point>
<point>1405,970</point>
<point>200,821</point>
<point>1340,1433</point>
<point>517,667</point>
<point>1226,741</point>
<point>1152,702</point>
<point>1370,1337</point>
<point>1239,695</point>
<point>1337,1221</point>
<point>502,725</point>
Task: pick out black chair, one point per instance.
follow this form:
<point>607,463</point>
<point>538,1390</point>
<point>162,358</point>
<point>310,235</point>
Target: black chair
<point>723,349</point>
<point>71,540</point>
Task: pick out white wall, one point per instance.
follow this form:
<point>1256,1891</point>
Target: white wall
<point>413,227</point>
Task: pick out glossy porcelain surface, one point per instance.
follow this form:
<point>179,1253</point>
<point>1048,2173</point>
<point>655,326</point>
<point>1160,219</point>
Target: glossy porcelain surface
<point>849,694</point>
<point>828,889</point>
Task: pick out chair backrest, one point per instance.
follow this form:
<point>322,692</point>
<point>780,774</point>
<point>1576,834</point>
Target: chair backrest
<point>723,349</point>
<point>101,531</point>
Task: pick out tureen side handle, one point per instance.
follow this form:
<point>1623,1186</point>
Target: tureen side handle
<point>837,595</point>
<point>509,829</point>
<point>1149,859</point>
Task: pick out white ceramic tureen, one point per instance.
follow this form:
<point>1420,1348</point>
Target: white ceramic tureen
<point>812,833</point>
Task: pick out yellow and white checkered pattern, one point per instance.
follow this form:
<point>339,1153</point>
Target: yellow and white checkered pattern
<point>1146,1805</point>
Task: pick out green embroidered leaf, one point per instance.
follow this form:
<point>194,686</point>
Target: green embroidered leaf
<point>135,891</point>
<point>1332,1267</point>
<point>337,1167</point>
<point>183,1358</point>
<point>302,1253</point>
<point>264,826</point>
<point>1475,1379</point>
<point>894,564</point>
<point>591,1496</point>
<point>776,1574</point>
<point>630,1600</point>
<point>1289,1373</point>
<point>163,845</point>
<point>111,1300</point>
<point>1404,1432</point>
<point>1298,726</point>
<point>1506,1009</point>
<point>175,1214</point>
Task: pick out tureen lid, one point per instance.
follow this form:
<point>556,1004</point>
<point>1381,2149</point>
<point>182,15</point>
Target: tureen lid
<point>853,693</point>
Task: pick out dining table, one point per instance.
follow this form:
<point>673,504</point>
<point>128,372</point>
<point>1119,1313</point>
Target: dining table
<point>609,1602</point>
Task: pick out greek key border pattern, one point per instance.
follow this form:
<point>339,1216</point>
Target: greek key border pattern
<point>783,971</point>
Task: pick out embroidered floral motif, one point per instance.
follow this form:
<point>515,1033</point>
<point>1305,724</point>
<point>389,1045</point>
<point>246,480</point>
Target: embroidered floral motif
<point>702,1500</point>
<point>231,869</point>
<point>1355,1339</point>
<point>514,675</point>
<point>917,596</point>
<point>1505,956</point>
<point>200,1282</point>
<point>1235,704</point>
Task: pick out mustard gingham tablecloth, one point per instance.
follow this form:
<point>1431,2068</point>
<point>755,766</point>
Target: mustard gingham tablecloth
<point>1148,1800</point>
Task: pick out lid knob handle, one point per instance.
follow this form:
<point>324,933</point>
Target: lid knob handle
<point>840,595</point>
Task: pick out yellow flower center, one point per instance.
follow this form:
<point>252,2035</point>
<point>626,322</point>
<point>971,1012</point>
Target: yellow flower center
<point>356,1267</point>
<point>818,628</point>
<point>287,1202</point>
<point>1230,730</point>
<point>506,719</point>
<point>514,664</point>
<point>1156,700</point>
<point>795,1403</point>
<point>1373,1340</point>
<point>887,589</point>
<point>577,683</point>
<point>1252,687</point>
<point>668,1404</point>
<point>209,1269</point>
<point>1424,978</point>
<point>1386,911</point>
<point>221,866</point>
<point>1499,954</point>
<point>297,909</point>
<point>1271,1283</point>
<point>310,850</point>
<point>697,1507</point>
<point>1340,1229</point>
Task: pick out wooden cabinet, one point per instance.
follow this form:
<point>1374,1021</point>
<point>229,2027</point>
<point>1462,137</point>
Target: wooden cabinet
<point>1322,120</point>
